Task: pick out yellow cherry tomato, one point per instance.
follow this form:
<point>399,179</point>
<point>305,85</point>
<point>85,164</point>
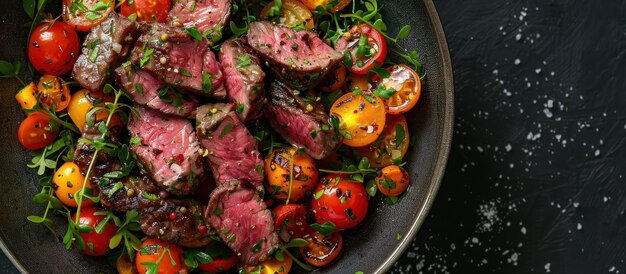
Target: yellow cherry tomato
<point>294,13</point>
<point>392,144</point>
<point>361,118</point>
<point>312,4</point>
<point>272,266</point>
<point>53,91</point>
<point>277,169</point>
<point>358,82</point>
<point>83,101</point>
<point>27,96</point>
<point>67,181</point>
<point>408,87</point>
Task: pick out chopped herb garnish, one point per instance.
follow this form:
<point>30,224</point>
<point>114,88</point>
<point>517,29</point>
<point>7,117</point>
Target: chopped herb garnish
<point>227,129</point>
<point>146,57</point>
<point>184,73</point>
<point>399,134</point>
<point>240,108</point>
<point>325,229</point>
<point>243,61</point>
<point>194,33</point>
<point>207,84</point>
<point>150,196</point>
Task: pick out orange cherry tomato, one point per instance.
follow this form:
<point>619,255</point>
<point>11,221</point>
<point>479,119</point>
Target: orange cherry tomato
<point>36,132</point>
<point>223,258</point>
<point>147,10</point>
<point>278,172</point>
<point>290,221</point>
<point>125,266</point>
<point>393,181</point>
<point>361,118</point>
<point>272,266</point>
<point>27,96</point>
<point>357,82</point>
<point>334,80</point>
<point>53,91</point>
<point>167,257</point>
<point>86,14</point>
<point>83,101</point>
<point>312,4</point>
<point>392,144</point>
<point>340,201</point>
<point>407,84</point>
<point>67,181</point>
<point>96,244</point>
<point>294,13</point>
<point>322,250</point>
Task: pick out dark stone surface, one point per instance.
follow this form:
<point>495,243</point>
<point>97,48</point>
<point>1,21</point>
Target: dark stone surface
<point>535,179</point>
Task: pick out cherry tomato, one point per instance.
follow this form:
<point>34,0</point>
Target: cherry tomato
<point>86,14</point>
<point>407,84</point>
<point>393,181</point>
<point>334,80</point>
<point>147,10</point>
<point>83,101</point>
<point>168,257</point>
<point>361,118</point>
<point>36,132</point>
<point>312,4</point>
<point>272,266</point>
<point>53,48</point>
<point>339,201</point>
<point>322,250</point>
<point>392,143</point>
<point>96,244</point>
<point>67,181</point>
<point>27,96</point>
<point>357,82</point>
<point>365,45</point>
<point>290,221</point>
<point>53,91</point>
<point>277,169</point>
<point>294,13</point>
<point>124,265</point>
<point>223,258</point>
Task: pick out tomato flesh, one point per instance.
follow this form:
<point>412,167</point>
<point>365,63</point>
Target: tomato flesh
<point>53,48</point>
<point>223,258</point>
<point>366,47</point>
<point>35,132</point>
<point>322,250</point>
<point>390,145</point>
<point>361,118</point>
<point>334,80</point>
<point>294,13</point>
<point>147,10</point>
<point>96,244</point>
<point>86,14</point>
<point>408,86</point>
<point>339,201</point>
<point>283,183</point>
<point>53,91</point>
<point>290,221</point>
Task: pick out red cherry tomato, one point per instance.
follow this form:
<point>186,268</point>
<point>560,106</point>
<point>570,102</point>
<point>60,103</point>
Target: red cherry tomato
<point>35,131</point>
<point>290,221</point>
<point>334,80</point>
<point>86,14</point>
<point>53,48</point>
<point>168,257</point>
<point>321,250</point>
<point>365,46</point>
<point>339,201</point>
<point>223,258</point>
<point>96,244</point>
<point>147,10</point>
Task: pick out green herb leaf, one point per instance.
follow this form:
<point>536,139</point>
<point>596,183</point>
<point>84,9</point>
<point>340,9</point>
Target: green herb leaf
<point>400,134</point>
<point>381,72</point>
<point>29,7</point>
<point>116,187</point>
<point>296,242</point>
<point>146,57</point>
<point>195,33</point>
<point>371,187</point>
<point>318,194</point>
<point>227,129</point>
<point>207,84</point>
<point>243,61</point>
<point>184,73</point>
<point>150,196</point>
<point>240,108</point>
<point>325,229</point>
<point>6,68</point>
<point>383,92</point>
<point>404,32</point>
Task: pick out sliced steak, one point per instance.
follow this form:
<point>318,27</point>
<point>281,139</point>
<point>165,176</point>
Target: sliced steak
<point>168,149</point>
<point>230,148</point>
<point>244,79</point>
<point>130,196</point>
<point>300,58</point>
<point>175,58</point>
<point>145,89</point>
<point>105,48</point>
<point>303,124</point>
<point>84,152</point>
<point>243,221</point>
<point>205,15</point>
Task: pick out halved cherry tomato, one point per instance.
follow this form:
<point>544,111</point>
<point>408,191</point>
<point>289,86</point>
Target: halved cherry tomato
<point>27,96</point>
<point>290,221</point>
<point>357,82</point>
<point>52,90</point>
<point>96,244</point>
<point>294,14</point>
<point>407,84</point>
<point>86,14</point>
<point>223,258</point>
<point>125,266</point>
<point>392,143</point>
<point>312,4</point>
<point>334,80</point>
<point>365,46</point>
<point>393,181</point>
<point>168,257</point>
<point>278,171</point>
<point>53,48</point>
<point>36,132</point>
<point>83,101</point>
<point>147,10</point>
<point>361,118</point>
<point>68,180</point>
<point>339,201</point>
<point>322,250</point>
<point>272,266</point>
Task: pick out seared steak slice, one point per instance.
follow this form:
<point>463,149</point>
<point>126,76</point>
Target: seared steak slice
<point>243,221</point>
<point>230,148</point>
<point>176,59</point>
<point>149,91</point>
<point>129,196</point>
<point>300,58</point>
<point>205,15</point>
<point>83,153</point>
<point>303,124</point>
<point>106,47</point>
<point>244,79</point>
<point>168,150</point>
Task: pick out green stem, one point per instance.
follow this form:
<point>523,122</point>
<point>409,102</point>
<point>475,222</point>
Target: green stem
<point>292,155</point>
<point>298,262</point>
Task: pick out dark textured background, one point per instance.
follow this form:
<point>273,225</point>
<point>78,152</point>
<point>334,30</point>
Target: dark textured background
<point>535,178</point>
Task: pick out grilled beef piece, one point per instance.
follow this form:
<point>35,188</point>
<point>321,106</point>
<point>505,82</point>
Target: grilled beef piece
<point>244,79</point>
<point>205,15</point>
<point>230,148</point>
<point>168,149</point>
<point>243,221</point>
<point>301,59</point>
<point>304,124</point>
<point>83,153</point>
<point>130,196</point>
<point>175,58</point>
<point>106,47</point>
<point>149,91</point>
